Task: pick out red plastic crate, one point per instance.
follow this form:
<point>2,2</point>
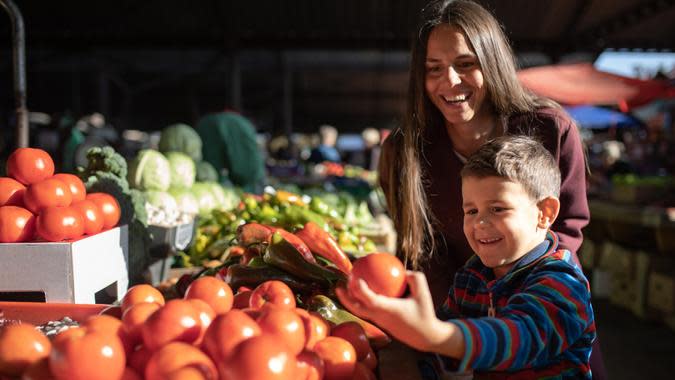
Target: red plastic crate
<point>38,313</point>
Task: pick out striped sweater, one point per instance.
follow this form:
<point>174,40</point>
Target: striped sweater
<point>536,322</point>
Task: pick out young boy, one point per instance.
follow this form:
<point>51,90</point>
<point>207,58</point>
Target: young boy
<point>521,307</point>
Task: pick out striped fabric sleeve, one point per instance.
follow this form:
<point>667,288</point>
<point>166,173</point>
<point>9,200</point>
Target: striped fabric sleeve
<point>539,323</point>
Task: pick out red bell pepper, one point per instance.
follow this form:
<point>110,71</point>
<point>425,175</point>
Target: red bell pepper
<point>253,233</point>
<point>322,244</point>
<point>298,243</point>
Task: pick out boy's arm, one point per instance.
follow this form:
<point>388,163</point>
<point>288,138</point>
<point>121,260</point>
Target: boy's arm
<point>411,320</point>
<point>552,313</point>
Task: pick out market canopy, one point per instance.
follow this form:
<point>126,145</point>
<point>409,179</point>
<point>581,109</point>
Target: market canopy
<point>592,117</point>
<point>581,83</point>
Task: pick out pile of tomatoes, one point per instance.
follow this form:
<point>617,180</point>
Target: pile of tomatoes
<point>209,334</point>
<point>55,207</point>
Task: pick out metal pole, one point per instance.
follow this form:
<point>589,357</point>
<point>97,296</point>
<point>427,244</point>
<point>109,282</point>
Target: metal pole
<point>19,60</point>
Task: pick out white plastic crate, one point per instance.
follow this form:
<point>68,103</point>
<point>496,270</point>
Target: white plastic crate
<point>89,270</point>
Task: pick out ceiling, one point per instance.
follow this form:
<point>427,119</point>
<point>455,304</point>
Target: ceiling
<point>298,63</point>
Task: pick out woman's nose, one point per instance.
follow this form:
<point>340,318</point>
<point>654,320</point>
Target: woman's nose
<point>453,76</point>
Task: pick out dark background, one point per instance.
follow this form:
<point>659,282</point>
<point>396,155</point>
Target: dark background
<point>289,65</point>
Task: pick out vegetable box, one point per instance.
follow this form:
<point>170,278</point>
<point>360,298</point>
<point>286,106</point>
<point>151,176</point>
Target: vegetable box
<point>38,313</point>
<point>89,270</point>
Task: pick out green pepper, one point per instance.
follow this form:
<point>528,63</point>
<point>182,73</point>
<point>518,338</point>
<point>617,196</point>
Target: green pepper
<point>251,276</point>
<point>282,254</point>
<point>331,312</point>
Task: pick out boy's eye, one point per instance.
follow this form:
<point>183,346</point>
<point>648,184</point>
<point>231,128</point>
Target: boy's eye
<point>498,209</point>
<point>470,212</point>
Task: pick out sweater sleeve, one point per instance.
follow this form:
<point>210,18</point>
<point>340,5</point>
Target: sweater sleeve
<point>574,214</point>
<point>538,324</point>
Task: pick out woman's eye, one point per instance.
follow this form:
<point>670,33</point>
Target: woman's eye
<point>498,209</point>
<point>470,212</point>
<point>434,69</point>
<point>464,65</point>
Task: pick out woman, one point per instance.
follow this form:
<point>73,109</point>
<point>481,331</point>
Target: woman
<point>463,91</point>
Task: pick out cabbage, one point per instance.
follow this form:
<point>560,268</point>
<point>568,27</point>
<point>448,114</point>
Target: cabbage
<point>205,198</point>
<point>161,200</point>
<point>226,197</point>
<point>206,172</point>
<point>181,138</point>
<point>186,201</point>
<point>183,171</point>
<point>150,170</point>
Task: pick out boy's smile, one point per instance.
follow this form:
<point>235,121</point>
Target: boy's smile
<point>501,221</point>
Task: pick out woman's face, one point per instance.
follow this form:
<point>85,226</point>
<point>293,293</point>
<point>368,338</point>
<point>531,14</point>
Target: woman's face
<point>453,79</point>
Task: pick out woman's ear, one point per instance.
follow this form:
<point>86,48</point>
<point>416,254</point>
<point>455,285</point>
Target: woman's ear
<point>548,211</point>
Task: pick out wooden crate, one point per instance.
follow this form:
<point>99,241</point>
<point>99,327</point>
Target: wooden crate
<point>630,278</point>
<point>661,295</point>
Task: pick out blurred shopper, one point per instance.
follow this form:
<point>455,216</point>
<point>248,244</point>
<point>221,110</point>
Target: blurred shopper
<point>464,92</point>
<point>371,141</point>
<point>229,143</point>
<point>326,151</point>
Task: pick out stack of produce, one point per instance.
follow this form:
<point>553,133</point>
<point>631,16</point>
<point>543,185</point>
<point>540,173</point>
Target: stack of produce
<point>216,231</point>
<point>36,203</point>
<point>264,332</point>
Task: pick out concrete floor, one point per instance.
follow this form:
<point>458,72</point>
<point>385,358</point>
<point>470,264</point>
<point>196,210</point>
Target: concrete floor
<point>633,348</point>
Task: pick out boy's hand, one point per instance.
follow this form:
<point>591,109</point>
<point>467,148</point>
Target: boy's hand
<point>411,320</point>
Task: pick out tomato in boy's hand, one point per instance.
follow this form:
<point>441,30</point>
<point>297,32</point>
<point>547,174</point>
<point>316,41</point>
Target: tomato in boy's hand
<point>384,273</point>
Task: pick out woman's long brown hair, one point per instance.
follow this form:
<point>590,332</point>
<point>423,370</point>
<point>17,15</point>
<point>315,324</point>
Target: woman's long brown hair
<point>406,196</point>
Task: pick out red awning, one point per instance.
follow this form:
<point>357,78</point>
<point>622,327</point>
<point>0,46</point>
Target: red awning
<point>581,83</point>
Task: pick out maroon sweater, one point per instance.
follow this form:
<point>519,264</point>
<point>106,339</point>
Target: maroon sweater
<point>559,135</point>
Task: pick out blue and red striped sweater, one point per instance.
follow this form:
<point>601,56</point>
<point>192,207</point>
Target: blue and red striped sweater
<point>536,322</point>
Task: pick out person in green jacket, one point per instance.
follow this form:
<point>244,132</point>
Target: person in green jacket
<point>229,142</point>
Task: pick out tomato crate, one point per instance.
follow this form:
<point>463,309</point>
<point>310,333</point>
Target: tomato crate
<point>165,242</point>
<point>39,313</point>
<point>89,270</point>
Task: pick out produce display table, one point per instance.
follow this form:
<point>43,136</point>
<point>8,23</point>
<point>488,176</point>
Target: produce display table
<point>645,227</point>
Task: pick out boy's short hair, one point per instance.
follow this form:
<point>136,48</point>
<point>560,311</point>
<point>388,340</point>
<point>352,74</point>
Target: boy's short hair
<point>519,159</point>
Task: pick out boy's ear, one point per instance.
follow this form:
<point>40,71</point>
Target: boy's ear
<point>548,211</point>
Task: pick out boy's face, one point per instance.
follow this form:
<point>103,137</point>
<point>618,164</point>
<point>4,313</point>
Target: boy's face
<point>501,221</point>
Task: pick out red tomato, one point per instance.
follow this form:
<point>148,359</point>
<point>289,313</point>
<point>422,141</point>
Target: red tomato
<point>176,356</point>
<point>134,318</point>
<point>79,354</point>
<point>11,192</point>
<point>206,315</point>
<point>130,374</point>
<point>75,185</point>
<point>176,321</point>
<point>310,366</point>
<point>361,372</point>
<point>50,192</point>
<point>39,370</point>
<point>242,299</point>
<point>91,215</point>
<point>284,324</point>
<point>226,332</point>
<point>20,346</point>
<point>107,324</point>
<point>60,223</point>
<point>339,358</point>
<point>28,165</point>
<point>217,293</point>
<point>109,207</point>
<point>139,294</point>
<point>274,292</point>
<point>370,361</point>
<point>353,333</point>
<point>384,273</point>
<point>262,357</point>
<point>138,359</point>
<point>16,224</point>
<point>316,328</point>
